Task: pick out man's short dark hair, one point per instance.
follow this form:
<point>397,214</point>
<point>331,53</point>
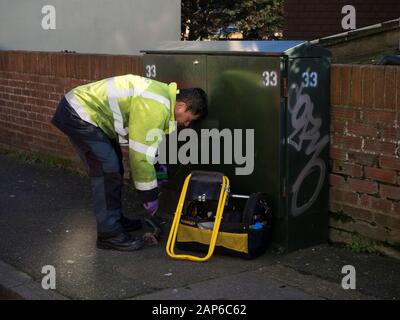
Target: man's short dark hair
<point>196,101</point>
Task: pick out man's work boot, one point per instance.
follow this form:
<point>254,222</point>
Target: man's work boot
<point>120,242</point>
<point>130,224</point>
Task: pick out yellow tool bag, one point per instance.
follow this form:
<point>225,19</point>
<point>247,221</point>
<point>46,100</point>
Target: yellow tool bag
<point>209,218</point>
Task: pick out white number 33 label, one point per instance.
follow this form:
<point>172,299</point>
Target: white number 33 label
<point>310,79</point>
<point>270,78</point>
<point>151,71</point>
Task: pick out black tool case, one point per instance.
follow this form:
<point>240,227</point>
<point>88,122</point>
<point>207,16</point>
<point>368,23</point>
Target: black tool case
<point>245,228</point>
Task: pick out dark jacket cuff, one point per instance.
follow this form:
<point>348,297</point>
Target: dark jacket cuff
<point>148,195</point>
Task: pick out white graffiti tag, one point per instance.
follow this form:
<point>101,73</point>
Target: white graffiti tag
<point>306,128</point>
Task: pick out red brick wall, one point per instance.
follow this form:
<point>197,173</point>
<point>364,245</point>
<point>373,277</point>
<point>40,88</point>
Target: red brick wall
<point>313,19</point>
<point>365,151</point>
<point>31,84</point>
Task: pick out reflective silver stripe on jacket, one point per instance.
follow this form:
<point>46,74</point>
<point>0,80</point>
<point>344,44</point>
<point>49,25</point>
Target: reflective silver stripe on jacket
<point>144,186</point>
<point>77,106</point>
<point>157,97</point>
<point>142,148</point>
<point>113,95</point>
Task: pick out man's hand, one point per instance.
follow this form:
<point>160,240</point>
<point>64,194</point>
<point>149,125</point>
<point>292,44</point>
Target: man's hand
<point>151,207</point>
<point>156,223</point>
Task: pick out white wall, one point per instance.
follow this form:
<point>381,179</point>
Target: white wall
<point>89,26</point>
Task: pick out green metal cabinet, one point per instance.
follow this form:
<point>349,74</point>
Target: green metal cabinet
<point>280,89</point>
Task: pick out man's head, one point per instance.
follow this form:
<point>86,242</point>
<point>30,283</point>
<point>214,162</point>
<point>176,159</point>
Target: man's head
<point>191,105</point>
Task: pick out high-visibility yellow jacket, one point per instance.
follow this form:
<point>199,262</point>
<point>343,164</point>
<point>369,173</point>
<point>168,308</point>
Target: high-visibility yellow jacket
<point>127,108</point>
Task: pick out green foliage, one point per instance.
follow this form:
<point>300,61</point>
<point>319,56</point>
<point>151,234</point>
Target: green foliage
<point>340,216</point>
<point>255,19</point>
<point>26,157</point>
<point>259,19</point>
<point>201,17</point>
<point>32,157</point>
<point>361,244</point>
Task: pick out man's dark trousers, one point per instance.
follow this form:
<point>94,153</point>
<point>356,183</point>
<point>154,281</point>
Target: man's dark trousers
<point>103,159</point>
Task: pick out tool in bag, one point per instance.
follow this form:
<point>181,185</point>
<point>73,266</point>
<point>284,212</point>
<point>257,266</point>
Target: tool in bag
<point>208,217</point>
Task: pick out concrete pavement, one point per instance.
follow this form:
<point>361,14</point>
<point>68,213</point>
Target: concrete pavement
<point>46,219</point>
